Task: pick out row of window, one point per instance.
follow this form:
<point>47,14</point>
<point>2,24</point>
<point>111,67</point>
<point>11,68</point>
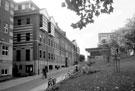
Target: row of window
<point>27,55</point>
<point>4,72</point>
<point>19,37</point>
<point>50,42</point>
<point>7,6</point>
<point>24,6</point>
<point>23,21</point>
<point>42,54</point>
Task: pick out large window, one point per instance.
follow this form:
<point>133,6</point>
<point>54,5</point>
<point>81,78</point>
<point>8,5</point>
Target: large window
<point>4,50</point>
<point>27,55</point>
<point>18,37</point>
<point>27,20</point>
<point>6,6</point>
<point>6,28</point>
<point>19,22</point>
<point>27,36</point>
<point>18,55</point>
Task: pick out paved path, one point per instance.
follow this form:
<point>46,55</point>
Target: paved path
<point>5,86</point>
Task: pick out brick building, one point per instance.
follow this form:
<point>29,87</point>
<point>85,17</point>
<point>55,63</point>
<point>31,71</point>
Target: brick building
<point>6,37</point>
<point>38,41</point>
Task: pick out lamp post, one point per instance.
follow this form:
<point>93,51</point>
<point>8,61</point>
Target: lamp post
<point>38,57</point>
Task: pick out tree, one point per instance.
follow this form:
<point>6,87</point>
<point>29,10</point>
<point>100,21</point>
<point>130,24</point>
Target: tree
<point>87,9</point>
<point>81,58</point>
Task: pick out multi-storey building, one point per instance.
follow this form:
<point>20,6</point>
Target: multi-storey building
<point>6,37</point>
<point>38,41</point>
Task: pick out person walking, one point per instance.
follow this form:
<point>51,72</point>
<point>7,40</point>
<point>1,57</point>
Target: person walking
<point>44,72</point>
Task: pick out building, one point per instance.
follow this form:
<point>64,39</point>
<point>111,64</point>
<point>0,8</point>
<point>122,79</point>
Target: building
<point>104,38</point>
<point>38,41</point>
<point>6,37</point>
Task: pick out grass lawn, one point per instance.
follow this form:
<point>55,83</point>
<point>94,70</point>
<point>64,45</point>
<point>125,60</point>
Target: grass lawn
<point>104,80</point>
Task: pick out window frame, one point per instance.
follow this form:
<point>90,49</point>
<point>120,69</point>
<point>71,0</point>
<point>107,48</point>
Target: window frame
<point>5,50</point>
<point>18,55</point>
<point>27,36</point>
<point>6,27</point>
<point>5,71</point>
<point>27,54</point>
<point>44,56</point>
<point>18,36</point>
<point>40,53</point>
<point>28,20</point>
<point>19,21</point>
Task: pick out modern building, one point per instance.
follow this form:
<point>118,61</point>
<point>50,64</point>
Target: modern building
<point>38,41</point>
<point>6,37</point>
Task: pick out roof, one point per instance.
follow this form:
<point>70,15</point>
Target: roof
<point>95,49</point>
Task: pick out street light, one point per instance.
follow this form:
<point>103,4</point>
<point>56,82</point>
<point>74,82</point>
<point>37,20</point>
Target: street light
<point>38,57</point>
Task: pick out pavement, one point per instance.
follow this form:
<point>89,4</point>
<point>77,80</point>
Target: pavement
<point>18,81</point>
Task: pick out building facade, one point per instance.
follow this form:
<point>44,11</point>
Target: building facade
<point>6,37</point>
<point>104,38</point>
<point>38,41</point>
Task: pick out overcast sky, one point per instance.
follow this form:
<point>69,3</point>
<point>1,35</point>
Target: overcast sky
<point>88,37</point>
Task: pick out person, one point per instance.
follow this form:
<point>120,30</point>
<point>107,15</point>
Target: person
<point>44,71</point>
<point>76,69</point>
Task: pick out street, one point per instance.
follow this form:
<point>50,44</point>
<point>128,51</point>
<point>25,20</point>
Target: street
<point>37,83</point>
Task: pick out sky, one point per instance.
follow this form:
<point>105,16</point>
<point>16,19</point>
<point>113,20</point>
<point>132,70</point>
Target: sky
<point>88,37</point>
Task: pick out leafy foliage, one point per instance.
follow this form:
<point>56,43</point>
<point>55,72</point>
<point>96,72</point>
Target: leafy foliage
<point>87,9</point>
<point>81,58</point>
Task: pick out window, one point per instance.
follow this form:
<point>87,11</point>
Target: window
<point>27,36</point>
<point>6,6</point>
<point>4,50</point>
<point>51,43</point>
<point>28,21</point>
<point>44,39</point>
<point>27,55</point>
<point>19,7</point>
<point>4,71</point>
<point>44,54</point>
<point>40,54</point>
<point>5,28</point>
<point>0,3</point>
<point>49,27</point>
<point>18,55</point>
<point>18,37</point>
<point>48,41</point>
<point>27,6</point>
<point>52,56</point>
<point>40,38</point>
<point>49,55</point>
<point>19,22</point>
<point>20,67</point>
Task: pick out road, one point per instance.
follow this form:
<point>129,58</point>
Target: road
<point>34,84</point>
